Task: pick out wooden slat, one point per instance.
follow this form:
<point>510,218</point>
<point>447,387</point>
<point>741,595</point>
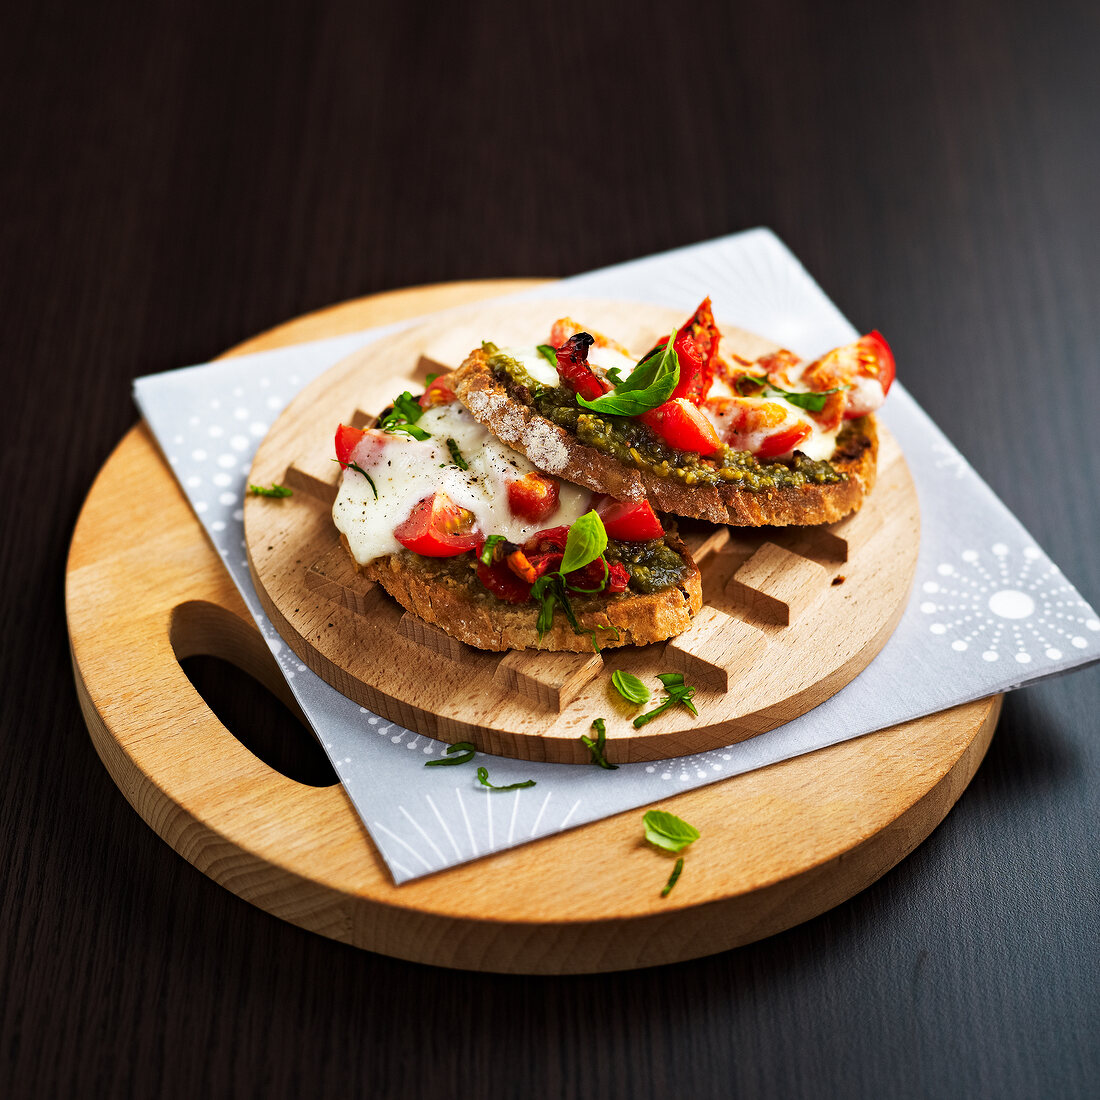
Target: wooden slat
<point>775,585</point>
<point>552,680</point>
<point>425,634</point>
<point>715,649</point>
<point>335,577</point>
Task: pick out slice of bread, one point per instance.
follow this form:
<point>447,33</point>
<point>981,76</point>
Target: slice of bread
<point>557,451</point>
<point>447,593</point>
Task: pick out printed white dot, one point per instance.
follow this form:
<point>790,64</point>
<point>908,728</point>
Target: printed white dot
<point>193,482</point>
<point>970,555</point>
<point>177,439</point>
<point>1092,624</point>
<point>999,549</point>
<point>1031,553</point>
<point>684,777</point>
<point>427,750</point>
<point>215,431</point>
<point>215,403</point>
<point>218,525</point>
<point>396,739</point>
<point>928,607</point>
<point>1079,642</point>
<point>239,442</point>
<point>989,655</point>
<point>650,769</point>
<point>238,515</point>
<point>373,719</point>
<point>958,645</point>
<point>256,428</point>
<point>274,402</point>
<point>700,775</point>
<point>238,391</point>
<point>227,498</point>
<point>200,505</point>
<point>245,469</point>
<point>240,414</point>
<point>294,379</point>
<point>944,570</point>
<point>199,455</point>
<point>930,586</point>
<point>221,480</point>
<point>265,382</point>
<point>938,628</point>
<point>725,756</point>
<point>666,775</point>
<point>1054,654</point>
<point>1011,603</point>
<point>410,746</point>
<point>193,421</point>
<point>275,645</point>
<point>1023,658</point>
<point>227,461</point>
<point>716,767</point>
<point>301,668</point>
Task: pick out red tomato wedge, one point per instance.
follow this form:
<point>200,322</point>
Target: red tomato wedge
<point>573,368</point>
<point>681,425</point>
<point>533,497</point>
<point>627,520</point>
<point>438,528</point>
<point>859,367</point>
<point>764,428</point>
<point>347,438</point>
<point>696,345</point>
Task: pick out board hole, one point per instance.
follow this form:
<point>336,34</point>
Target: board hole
<point>259,720</point>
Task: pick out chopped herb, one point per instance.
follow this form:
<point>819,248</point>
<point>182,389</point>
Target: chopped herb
<point>456,454</point>
<point>431,378</point>
<point>483,779</point>
<point>596,747</point>
<point>629,687</point>
<point>549,354</point>
<point>648,385</point>
<point>668,831</point>
<point>677,692</point>
<point>673,877</point>
<point>812,402</point>
<point>403,417</point>
<point>491,543</point>
<point>359,470</point>
<point>464,747</point>
<point>274,491</point>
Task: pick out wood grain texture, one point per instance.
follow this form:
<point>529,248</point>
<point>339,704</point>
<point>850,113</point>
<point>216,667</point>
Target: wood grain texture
<point>749,574</point>
<point>820,827</point>
<point>177,178</point>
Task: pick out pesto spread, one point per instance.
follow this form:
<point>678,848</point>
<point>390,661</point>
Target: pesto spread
<point>634,444</point>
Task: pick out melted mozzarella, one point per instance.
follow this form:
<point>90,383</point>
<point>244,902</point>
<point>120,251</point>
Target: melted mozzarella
<point>542,370</point>
<point>405,471</point>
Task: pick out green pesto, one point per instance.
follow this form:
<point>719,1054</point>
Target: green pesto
<point>653,566</point>
<point>634,444</point>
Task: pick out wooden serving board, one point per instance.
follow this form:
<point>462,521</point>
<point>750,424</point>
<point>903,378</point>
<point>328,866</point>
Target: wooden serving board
<point>790,614</point>
<point>778,846</point>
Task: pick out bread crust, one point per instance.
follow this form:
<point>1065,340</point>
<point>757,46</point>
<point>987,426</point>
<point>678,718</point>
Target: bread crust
<point>466,611</point>
<point>558,452</point>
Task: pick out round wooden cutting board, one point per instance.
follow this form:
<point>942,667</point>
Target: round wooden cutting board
<point>778,845</point>
<point>790,614</point>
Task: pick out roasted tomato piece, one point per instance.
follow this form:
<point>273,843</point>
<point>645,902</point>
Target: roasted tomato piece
<point>696,346</point>
<point>347,438</point>
<point>439,392</point>
<point>438,528</point>
<point>681,425</point>
<point>533,497</point>
<point>867,367</point>
<point>552,539</point>
<point>618,577</point>
<point>503,583</point>
<point>766,429</point>
<point>573,368</point>
<point>628,520</point>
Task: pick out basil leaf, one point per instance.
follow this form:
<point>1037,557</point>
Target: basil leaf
<point>811,402</point>
<point>456,454</point>
<point>431,377</point>
<point>483,779</point>
<point>668,831</point>
<point>486,555</point>
<point>359,470</point>
<point>549,354</point>
<point>586,542</point>
<point>648,385</point>
<point>274,491</point>
<point>673,877</point>
<point>678,692</point>
<point>464,747</point>
<point>629,687</point>
<point>596,747</point>
<point>406,412</point>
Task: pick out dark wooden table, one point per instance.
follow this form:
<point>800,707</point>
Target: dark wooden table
<point>178,177</point>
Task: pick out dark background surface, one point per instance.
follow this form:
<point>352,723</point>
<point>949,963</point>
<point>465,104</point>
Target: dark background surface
<point>177,177</point>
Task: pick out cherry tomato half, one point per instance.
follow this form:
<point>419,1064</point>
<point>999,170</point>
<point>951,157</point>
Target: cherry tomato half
<point>766,429</point>
<point>628,520</point>
<point>438,528</point>
<point>681,425</point>
<point>439,392</point>
<point>347,438</point>
<point>533,497</point>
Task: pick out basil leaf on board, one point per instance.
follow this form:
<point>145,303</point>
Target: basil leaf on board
<point>677,692</point>
<point>630,687</point>
<point>673,877</point>
<point>274,491</point>
<point>586,542</point>
<point>486,555</point>
<point>483,779</point>
<point>456,454</point>
<point>668,831</point>
<point>596,748</point>
<point>648,385</point>
<point>464,747</point>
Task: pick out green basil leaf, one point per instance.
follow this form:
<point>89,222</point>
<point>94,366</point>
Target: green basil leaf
<point>491,542</point>
<point>630,687</point>
<point>483,779</point>
<point>811,402</point>
<point>586,542</point>
<point>274,491</point>
<point>668,831</point>
<point>673,877</point>
<point>456,454</point>
<point>648,385</point>
<point>464,747</point>
<point>549,354</point>
<point>596,748</point>
<point>677,692</point>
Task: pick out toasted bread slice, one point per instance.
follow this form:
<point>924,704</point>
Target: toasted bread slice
<point>557,451</point>
<point>446,592</point>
